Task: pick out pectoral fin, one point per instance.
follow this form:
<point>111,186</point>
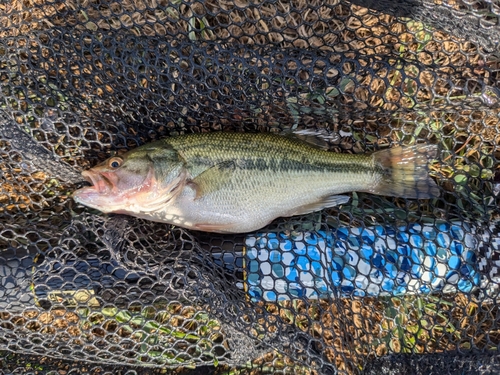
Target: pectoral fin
<point>212,179</point>
<point>330,201</point>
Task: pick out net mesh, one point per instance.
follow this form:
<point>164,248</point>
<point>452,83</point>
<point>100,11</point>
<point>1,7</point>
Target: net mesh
<point>380,285</point>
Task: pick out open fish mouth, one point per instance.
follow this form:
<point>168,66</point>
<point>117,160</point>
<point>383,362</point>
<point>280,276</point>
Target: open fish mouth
<point>100,184</point>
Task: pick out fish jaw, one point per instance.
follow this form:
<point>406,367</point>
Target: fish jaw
<point>100,194</point>
<point>107,196</point>
<point>101,182</point>
<point>91,197</point>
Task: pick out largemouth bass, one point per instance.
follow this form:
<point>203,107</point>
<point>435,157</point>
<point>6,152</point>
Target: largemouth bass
<point>240,182</point>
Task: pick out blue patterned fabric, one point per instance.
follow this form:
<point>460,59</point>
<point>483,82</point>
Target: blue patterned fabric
<point>373,261</point>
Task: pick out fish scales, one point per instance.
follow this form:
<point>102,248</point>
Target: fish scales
<point>270,175</point>
<point>264,151</point>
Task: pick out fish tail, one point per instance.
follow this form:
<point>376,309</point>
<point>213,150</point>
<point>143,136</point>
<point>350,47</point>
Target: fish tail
<point>403,172</point>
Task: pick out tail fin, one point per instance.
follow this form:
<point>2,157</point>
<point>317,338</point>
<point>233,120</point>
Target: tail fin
<point>404,172</point>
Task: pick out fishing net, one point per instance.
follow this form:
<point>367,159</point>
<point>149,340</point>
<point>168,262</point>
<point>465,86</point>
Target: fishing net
<point>378,285</point>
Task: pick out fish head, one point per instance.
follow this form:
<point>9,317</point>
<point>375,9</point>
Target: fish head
<point>142,180</point>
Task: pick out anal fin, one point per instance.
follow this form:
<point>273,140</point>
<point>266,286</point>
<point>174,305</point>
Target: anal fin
<point>215,228</point>
<point>329,201</point>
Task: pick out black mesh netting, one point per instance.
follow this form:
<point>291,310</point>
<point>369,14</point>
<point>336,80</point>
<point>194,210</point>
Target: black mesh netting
<point>378,286</point>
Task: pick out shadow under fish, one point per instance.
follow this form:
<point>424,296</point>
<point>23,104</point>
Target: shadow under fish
<point>277,266</point>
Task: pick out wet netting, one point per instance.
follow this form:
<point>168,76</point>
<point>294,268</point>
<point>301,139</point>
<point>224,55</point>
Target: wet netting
<point>377,285</point>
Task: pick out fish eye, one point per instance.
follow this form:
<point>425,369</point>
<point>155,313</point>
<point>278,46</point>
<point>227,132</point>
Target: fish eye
<point>115,163</point>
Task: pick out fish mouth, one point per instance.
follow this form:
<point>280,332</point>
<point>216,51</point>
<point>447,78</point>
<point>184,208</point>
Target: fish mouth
<point>100,184</point>
<point>101,195</point>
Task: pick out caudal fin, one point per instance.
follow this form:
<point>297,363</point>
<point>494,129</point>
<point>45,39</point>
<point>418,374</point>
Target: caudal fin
<point>404,172</point>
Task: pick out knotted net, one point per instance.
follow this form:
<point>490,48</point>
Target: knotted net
<point>379,285</point>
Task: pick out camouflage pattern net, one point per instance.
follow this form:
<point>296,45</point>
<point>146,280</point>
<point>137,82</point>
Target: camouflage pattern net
<point>380,285</point>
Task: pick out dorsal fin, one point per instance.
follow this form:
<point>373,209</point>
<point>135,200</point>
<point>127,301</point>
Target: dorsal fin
<point>320,138</point>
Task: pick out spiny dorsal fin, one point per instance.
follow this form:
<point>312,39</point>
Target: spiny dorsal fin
<point>320,138</point>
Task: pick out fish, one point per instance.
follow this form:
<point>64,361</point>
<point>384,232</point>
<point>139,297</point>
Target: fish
<point>225,182</point>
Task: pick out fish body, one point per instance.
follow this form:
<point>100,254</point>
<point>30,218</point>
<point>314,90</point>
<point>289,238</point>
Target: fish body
<point>239,182</point>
